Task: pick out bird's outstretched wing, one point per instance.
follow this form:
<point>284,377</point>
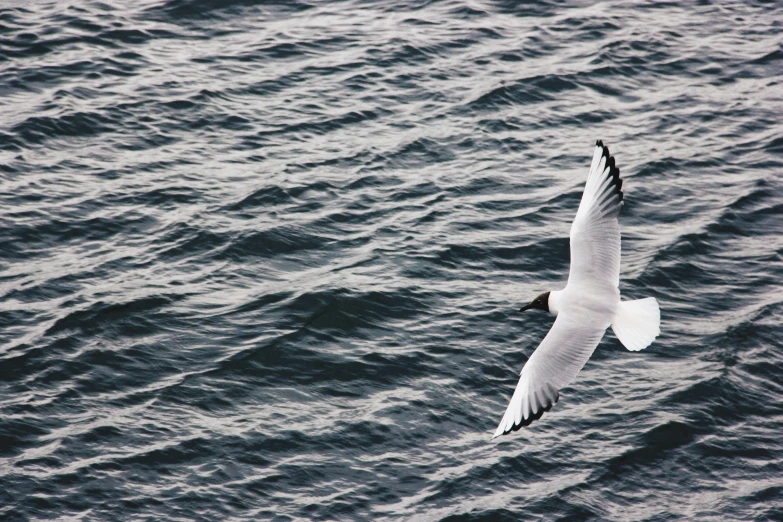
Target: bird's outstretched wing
<point>595,232</point>
<point>554,364</point>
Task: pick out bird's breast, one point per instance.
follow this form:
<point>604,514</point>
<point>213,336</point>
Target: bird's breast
<point>595,304</point>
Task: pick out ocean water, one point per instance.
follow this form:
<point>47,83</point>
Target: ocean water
<point>261,260</point>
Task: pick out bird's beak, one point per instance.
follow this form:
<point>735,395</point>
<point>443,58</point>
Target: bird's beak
<point>525,308</point>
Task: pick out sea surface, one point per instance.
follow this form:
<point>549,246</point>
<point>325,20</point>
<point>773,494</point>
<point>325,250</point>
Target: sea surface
<point>262,260</point>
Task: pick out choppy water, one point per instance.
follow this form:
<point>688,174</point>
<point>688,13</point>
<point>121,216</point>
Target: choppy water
<point>260,260</point>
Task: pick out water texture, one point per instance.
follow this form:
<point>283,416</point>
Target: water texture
<point>261,260</point>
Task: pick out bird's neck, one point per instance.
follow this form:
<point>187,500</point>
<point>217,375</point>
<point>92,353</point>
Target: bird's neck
<point>555,301</point>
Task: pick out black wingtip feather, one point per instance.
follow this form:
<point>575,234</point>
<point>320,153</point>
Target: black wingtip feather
<point>535,416</point>
<point>614,171</point>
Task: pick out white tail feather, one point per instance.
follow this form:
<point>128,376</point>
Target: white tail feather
<point>637,323</point>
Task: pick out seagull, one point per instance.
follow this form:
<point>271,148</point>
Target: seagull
<point>589,303</point>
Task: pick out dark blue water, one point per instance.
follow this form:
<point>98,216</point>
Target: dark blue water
<point>261,260</point>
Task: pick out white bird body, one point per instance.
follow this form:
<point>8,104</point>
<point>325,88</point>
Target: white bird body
<point>587,306</point>
<point>593,302</point>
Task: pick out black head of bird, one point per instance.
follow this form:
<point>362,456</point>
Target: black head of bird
<point>539,303</point>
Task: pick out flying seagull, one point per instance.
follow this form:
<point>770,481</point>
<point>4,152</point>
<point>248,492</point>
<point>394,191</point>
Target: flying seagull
<point>588,304</point>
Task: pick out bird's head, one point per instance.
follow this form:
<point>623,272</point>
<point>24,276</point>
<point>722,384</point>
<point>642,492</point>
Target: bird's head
<point>539,303</point>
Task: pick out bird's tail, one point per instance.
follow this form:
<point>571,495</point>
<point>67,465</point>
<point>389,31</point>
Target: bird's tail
<point>637,323</point>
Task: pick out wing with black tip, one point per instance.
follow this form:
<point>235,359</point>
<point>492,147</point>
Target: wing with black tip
<point>554,364</point>
<point>595,232</point>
